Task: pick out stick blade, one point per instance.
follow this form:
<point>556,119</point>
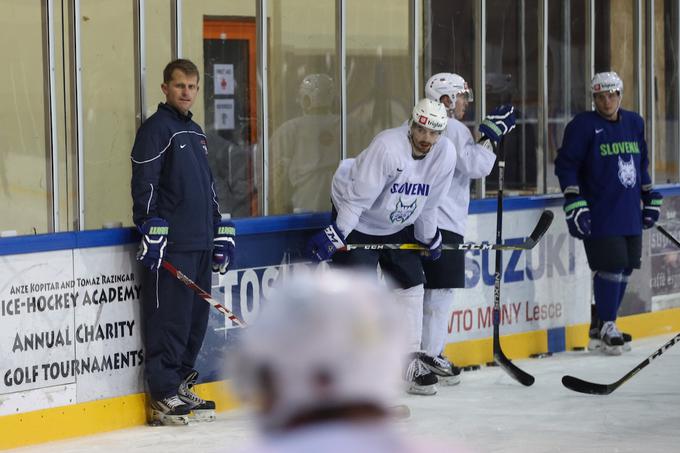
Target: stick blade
<point>513,370</point>
<point>542,226</point>
<point>590,388</point>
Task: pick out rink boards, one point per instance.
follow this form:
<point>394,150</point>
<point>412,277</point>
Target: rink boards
<point>70,337</point>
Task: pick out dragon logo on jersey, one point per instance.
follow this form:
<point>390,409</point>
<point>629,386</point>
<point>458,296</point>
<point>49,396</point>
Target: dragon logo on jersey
<point>402,212</point>
<point>627,173</point>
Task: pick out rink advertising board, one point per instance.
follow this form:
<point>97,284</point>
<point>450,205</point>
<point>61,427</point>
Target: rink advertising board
<point>69,327</point>
<point>70,319</point>
<point>543,288</point>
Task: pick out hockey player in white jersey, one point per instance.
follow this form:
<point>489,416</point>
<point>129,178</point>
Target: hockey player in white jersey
<point>475,160</point>
<point>390,194</point>
<point>321,366</point>
<point>306,151</point>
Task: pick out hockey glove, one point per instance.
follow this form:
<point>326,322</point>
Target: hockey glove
<point>578,216</point>
<point>325,243</point>
<point>224,246</point>
<point>651,208</point>
<point>498,122</point>
<point>434,248</point>
<point>154,240</point>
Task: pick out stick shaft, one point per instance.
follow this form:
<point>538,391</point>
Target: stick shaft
<point>202,293</point>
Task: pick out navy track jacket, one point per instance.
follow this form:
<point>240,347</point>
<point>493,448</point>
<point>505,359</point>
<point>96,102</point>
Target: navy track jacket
<point>171,179</point>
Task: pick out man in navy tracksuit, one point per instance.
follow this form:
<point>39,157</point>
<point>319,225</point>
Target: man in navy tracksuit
<point>176,210</point>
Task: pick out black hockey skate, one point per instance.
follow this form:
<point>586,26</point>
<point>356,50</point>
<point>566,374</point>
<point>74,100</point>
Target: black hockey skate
<point>169,411</point>
<point>201,410</point>
<point>447,373</point>
<point>611,339</point>
<point>594,341</point>
<point>420,380</point>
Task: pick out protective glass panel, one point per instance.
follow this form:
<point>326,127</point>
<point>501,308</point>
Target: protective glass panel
<point>512,77</point>
<point>666,92</point>
<point>158,51</point>
<point>304,110</point>
<point>568,79</point>
<point>450,44</point>
<point>108,109</point>
<point>220,38</point>
<point>379,69</point>
<point>615,44</point>
<point>25,188</point>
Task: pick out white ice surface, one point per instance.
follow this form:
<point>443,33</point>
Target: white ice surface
<point>487,412</point>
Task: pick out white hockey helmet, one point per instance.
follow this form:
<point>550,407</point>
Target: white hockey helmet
<point>606,82</point>
<point>430,114</point>
<point>447,84</point>
<point>323,341</point>
<point>316,91</point>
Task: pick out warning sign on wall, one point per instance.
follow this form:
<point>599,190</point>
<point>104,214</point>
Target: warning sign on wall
<point>224,79</point>
<point>224,114</point>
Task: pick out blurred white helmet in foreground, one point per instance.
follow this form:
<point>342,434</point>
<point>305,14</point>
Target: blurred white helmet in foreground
<point>323,342</point>
<point>430,114</point>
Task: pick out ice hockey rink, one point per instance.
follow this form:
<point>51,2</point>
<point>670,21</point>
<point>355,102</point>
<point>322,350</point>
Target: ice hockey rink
<point>487,412</point>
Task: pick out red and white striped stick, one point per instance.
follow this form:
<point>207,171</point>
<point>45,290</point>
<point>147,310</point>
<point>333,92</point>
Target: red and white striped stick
<point>204,295</point>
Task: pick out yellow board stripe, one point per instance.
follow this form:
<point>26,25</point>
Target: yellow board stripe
<point>479,352</point>
<point>92,417</point>
<point>127,411</point>
<point>522,345</point>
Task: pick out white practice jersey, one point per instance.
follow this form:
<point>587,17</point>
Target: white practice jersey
<point>474,161</point>
<point>305,158</point>
<point>385,189</point>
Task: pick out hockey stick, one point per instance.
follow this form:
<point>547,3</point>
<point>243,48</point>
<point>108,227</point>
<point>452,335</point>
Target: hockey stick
<point>539,230</point>
<point>204,295</point>
<point>500,358</point>
<point>592,388</point>
<point>668,235</point>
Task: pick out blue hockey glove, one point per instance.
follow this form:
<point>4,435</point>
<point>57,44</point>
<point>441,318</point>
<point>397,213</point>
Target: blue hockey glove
<point>154,240</point>
<point>578,216</point>
<point>498,122</point>
<point>434,248</point>
<point>224,246</point>
<point>325,243</point>
<point>651,208</point>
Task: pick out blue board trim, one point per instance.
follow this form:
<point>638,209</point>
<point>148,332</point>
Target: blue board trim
<point>253,226</point>
<point>557,341</point>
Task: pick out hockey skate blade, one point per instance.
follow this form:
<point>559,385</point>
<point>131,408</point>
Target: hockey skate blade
<point>202,416</point>
<point>612,350</point>
<point>594,345</point>
<point>448,381</point>
<point>424,390</point>
<point>399,412</point>
<point>160,419</point>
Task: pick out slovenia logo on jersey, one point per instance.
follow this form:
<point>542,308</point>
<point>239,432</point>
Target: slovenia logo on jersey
<point>402,212</point>
<point>627,173</point>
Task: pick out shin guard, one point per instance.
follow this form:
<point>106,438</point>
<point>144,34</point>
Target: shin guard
<point>436,312</point>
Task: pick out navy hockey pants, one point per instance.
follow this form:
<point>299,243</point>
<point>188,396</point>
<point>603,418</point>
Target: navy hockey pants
<point>175,320</point>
